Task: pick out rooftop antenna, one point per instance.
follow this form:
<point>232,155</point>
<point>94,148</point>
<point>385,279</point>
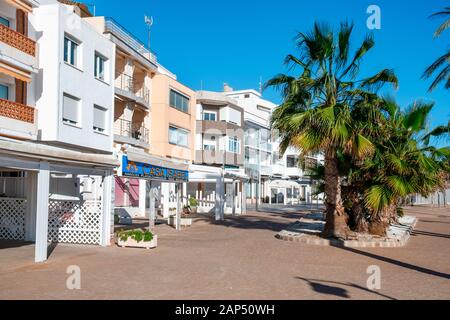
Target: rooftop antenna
<point>149,22</point>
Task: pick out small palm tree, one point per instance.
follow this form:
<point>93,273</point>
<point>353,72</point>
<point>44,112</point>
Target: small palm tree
<point>442,64</point>
<point>320,103</point>
<point>402,164</point>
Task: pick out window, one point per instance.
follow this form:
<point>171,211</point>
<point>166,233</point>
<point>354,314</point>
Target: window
<point>71,110</point>
<point>4,92</point>
<point>99,67</point>
<point>70,51</point>
<point>179,101</point>
<point>100,119</point>
<point>178,137</point>
<point>291,161</point>
<point>234,145</point>
<point>209,116</point>
<point>4,21</point>
<point>209,144</point>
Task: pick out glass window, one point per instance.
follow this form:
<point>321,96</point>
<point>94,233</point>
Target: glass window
<point>71,110</point>
<point>70,51</point>
<point>291,161</point>
<point>234,145</point>
<point>100,119</point>
<point>4,21</point>
<point>178,137</point>
<point>4,92</point>
<point>209,116</point>
<point>99,67</point>
<point>179,101</point>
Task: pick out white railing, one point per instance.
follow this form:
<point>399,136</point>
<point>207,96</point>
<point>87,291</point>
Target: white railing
<point>77,222</point>
<point>127,37</point>
<point>12,218</point>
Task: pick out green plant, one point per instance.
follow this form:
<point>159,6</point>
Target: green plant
<point>193,202</point>
<point>137,235</point>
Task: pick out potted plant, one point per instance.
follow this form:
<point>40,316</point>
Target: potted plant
<point>137,239</point>
<point>185,220</point>
<point>193,204</point>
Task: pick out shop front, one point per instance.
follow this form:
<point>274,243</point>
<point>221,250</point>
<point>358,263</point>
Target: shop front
<point>157,186</point>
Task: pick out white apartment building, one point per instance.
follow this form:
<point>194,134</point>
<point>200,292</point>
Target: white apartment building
<point>56,111</point>
<point>274,178</point>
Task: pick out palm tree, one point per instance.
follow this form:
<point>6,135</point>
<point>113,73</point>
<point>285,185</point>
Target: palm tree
<point>402,164</point>
<point>442,64</point>
<point>318,107</point>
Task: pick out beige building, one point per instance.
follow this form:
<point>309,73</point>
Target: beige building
<point>173,119</point>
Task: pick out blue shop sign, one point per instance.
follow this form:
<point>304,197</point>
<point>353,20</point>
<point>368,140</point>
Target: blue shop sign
<point>145,170</point>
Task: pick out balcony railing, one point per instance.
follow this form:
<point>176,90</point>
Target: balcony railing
<point>124,82</point>
<point>127,37</point>
<point>16,111</point>
<point>144,93</point>
<point>17,40</point>
<point>128,129</point>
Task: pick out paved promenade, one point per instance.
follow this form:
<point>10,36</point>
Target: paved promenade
<point>238,259</point>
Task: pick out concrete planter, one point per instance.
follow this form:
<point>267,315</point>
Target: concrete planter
<point>131,243</point>
<point>184,222</point>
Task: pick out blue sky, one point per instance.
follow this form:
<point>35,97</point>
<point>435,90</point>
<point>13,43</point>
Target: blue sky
<point>239,41</point>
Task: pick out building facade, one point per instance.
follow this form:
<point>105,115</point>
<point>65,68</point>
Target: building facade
<point>55,128</point>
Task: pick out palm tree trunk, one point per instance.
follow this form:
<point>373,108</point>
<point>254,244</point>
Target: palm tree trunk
<point>336,219</point>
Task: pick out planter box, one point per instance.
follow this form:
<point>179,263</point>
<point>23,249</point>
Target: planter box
<point>131,243</point>
<point>184,222</point>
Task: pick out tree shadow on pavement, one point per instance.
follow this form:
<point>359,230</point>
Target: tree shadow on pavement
<point>396,262</point>
<point>250,222</point>
<point>324,287</point>
<point>430,234</point>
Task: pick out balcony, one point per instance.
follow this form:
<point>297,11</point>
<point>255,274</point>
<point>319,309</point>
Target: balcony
<point>131,133</point>
<point>129,39</point>
<point>144,94</point>
<point>124,82</point>
<point>126,87</point>
<point>16,111</point>
<point>17,40</point>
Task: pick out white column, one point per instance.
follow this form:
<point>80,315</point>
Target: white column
<point>244,200</point>
<point>107,209</point>
<point>185,194</point>
<point>43,187</point>
<point>153,192</point>
<point>220,192</point>
<point>142,197</point>
<point>178,189</point>
<point>30,217</point>
<point>165,193</point>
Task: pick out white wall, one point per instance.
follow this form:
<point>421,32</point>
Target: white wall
<point>57,78</point>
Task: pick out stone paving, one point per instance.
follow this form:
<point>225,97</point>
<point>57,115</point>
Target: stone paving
<point>239,258</point>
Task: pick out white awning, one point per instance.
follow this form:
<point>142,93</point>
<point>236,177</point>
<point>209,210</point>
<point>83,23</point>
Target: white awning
<point>284,184</point>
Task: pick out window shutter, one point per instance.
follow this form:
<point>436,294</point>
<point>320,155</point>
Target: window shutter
<point>70,108</point>
<point>21,92</point>
<point>99,117</point>
<point>20,22</point>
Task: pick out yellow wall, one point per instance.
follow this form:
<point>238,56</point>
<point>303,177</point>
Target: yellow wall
<point>162,115</point>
